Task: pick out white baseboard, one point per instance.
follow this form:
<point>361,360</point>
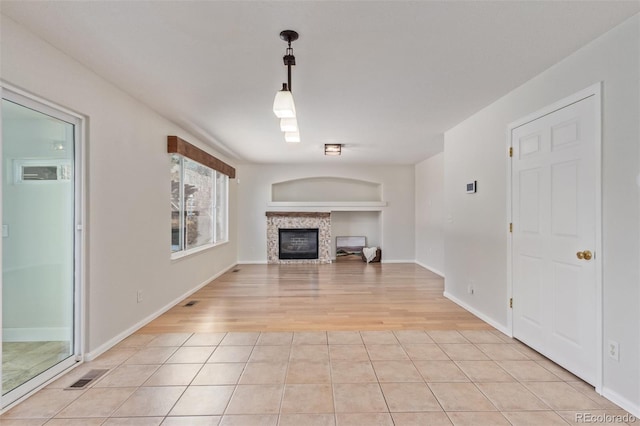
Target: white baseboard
<point>477,313</point>
<point>40,334</point>
<point>631,406</point>
<point>89,356</point>
<point>252,262</point>
<point>397,261</point>
<point>429,268</point>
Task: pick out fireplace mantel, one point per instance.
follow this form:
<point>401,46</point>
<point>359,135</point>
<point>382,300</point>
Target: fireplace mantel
<point>298,214</point>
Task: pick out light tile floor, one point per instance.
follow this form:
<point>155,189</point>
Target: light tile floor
<point>319,379</point>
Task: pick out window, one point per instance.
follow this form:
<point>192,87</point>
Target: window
<point>199,198</point>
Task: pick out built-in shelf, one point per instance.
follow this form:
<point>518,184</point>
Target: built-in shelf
<point>329,205</point>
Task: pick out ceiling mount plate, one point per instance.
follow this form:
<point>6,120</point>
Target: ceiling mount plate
<point>289,35</point>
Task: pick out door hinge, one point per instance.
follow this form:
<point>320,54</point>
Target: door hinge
<point>511,303</point>
<point>511,227</point>
<point>511,151</point>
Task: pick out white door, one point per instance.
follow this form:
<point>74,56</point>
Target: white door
<point>554,186</point>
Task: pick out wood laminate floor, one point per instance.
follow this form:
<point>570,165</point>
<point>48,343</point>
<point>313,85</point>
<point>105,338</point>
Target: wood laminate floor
<point>221,363</point>
<point>338,296</point>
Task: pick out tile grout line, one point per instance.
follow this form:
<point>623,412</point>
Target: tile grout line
<point>528,358</point>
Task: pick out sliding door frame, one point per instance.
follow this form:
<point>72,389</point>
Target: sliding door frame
<point>19,96</point>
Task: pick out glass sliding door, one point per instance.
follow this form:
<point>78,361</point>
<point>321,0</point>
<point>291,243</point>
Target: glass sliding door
<point>39,250</point>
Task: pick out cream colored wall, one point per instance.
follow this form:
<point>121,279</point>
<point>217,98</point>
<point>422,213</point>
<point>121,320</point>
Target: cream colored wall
<point>396,219</point>
<point>476,227</point>
<point>429,201</point>
<point>127,194</point>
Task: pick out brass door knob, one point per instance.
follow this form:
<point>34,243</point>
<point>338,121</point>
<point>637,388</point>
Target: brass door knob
<point>586,255</point>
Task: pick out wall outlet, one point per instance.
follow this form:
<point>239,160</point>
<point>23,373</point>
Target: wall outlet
<point>613,349</point>
<point>139,296</point>
<point>5,231</point>
<point>470,289</point>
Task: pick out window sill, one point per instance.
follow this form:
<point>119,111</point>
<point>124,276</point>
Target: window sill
<point>185,253</point>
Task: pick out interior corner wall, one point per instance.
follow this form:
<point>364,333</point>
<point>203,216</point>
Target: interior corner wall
<point>476,225</point>
<point>397,218</point>
<point>127,190</point>
<point>429,201</point>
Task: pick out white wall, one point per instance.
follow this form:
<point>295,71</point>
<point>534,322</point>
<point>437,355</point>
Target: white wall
<point>429,199</point>
<point>128,190</point>
<point>397,218</point>
<point>476,226</point>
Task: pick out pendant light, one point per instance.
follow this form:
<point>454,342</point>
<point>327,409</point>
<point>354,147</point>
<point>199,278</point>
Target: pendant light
<point>289,124</point>
<point>283,105</point>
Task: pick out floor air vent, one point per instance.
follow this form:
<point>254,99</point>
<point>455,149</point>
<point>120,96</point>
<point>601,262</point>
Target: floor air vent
<point>85,380</point>
<point>190,303</point>
<point>236,270</point>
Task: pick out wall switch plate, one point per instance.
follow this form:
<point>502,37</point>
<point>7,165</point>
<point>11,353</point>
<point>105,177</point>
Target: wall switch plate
<point>613,349</point>
<point>5,231</point>
<point>472,187</point>
<point>139,296</point>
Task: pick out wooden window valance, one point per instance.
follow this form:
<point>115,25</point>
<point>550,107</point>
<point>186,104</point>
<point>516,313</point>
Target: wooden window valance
<point>175,145</point>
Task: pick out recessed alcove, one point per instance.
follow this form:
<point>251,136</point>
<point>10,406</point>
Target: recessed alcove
<point>326,189</point>
<point>355,206</point>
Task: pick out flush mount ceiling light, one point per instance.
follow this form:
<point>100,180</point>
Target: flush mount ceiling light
<point>332,148</point>
<point>283,106</point>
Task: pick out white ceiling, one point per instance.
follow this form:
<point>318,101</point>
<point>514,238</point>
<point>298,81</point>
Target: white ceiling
<point>386,78</point>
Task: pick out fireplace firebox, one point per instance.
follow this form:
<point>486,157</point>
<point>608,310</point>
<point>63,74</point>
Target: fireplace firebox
<point>298,243</point>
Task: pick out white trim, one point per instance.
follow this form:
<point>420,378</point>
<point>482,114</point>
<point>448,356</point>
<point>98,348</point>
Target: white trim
<point>509,270</point>
<point>479,314</point>
<point>29,100</point>
<point>184,253</point>
<point>36,334</point>
<point>328,206</point>
<point>593,90</point>
<point>383,260</point>
<point>253,262</point>
<point>90,356</point>
<point>616,398</point>
<point>47,377</point>
<point>28,95</point>
<point>429,268</point>
<point>2,90</point>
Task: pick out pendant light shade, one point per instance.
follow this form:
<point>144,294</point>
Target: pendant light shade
<point>283,106</point>
<point>289,124</point>
<point>292,136</point>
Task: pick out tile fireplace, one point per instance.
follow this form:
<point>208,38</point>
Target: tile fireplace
<point>307,237</point>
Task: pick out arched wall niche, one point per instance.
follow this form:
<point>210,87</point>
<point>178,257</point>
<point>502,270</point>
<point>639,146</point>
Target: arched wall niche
<point>326,189</point>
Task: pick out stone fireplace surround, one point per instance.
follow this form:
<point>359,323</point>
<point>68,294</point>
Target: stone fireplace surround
<point>320,220</point>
